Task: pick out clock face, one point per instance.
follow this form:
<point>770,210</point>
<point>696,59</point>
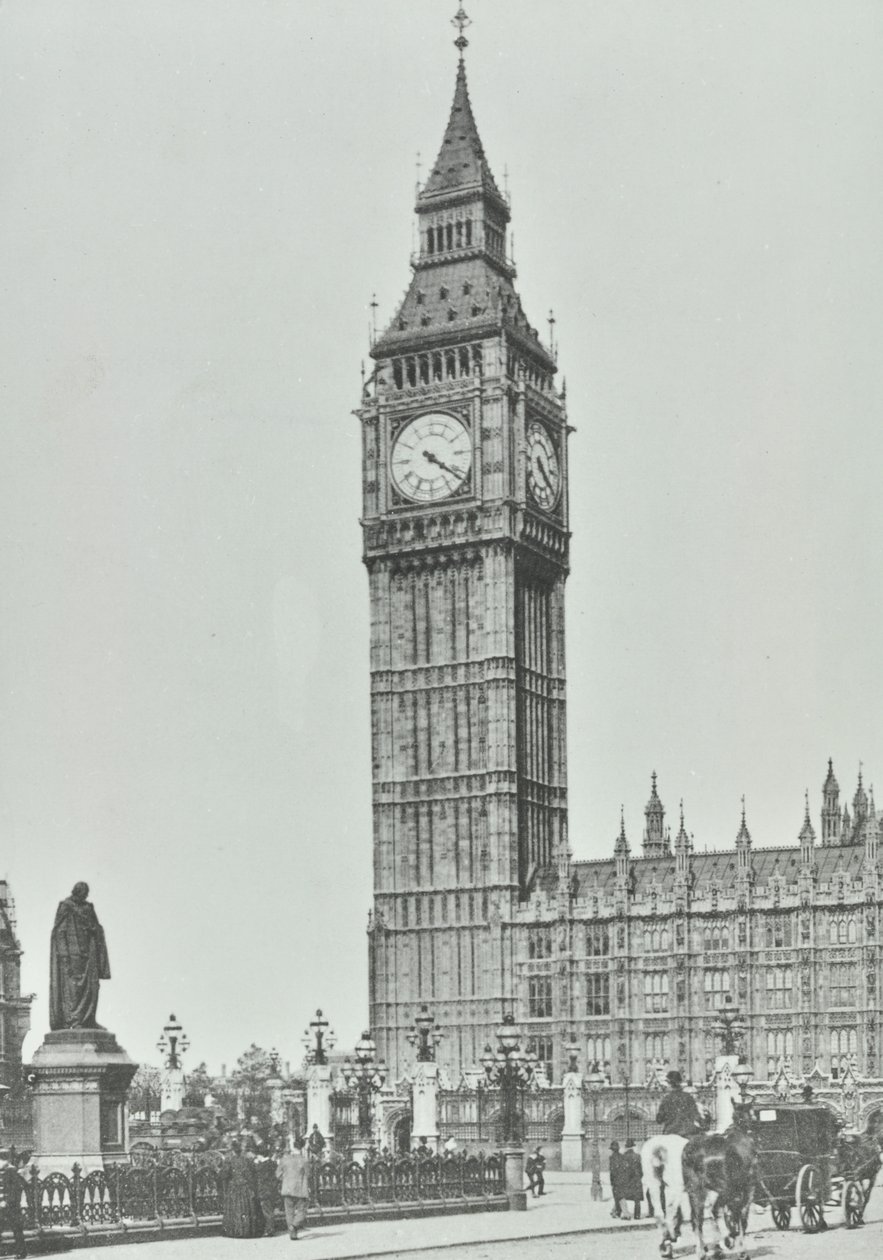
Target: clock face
<point>431,457</point>
<point>543,472</point>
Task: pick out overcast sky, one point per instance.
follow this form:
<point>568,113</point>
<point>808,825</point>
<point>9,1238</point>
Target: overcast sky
<point>199,199</point>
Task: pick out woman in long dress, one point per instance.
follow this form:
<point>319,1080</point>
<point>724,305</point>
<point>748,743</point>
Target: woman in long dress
<point>242,1211</point>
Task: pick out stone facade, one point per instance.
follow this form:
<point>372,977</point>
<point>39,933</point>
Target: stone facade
<point>15,1009</point>
<point>478,906</point>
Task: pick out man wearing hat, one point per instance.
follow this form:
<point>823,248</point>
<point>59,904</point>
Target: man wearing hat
<point>679,1112</point>
<point>10,1202</point>
<point>632,1183</point>
<point>615,1170</point>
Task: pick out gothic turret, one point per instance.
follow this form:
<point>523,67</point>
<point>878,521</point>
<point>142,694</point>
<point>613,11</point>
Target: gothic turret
<point>656,842</point>
<point>743,844</point>
<point>807,837</point>
<point>859,814</point>
<point>830,808</point>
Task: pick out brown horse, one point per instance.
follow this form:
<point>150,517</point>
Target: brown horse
<point>720,1170</point>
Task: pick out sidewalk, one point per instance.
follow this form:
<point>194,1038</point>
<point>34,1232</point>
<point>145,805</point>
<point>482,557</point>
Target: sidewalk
<point>566,1208</point>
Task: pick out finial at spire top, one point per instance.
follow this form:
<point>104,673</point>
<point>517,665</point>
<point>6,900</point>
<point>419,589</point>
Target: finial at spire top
<point>743,807</point>
<point>461,21</point>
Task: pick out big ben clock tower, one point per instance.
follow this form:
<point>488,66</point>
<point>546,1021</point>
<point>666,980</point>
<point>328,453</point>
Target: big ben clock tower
<point>465,534</point>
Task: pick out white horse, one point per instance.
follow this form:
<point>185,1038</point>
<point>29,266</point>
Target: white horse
<point>663,1176</point>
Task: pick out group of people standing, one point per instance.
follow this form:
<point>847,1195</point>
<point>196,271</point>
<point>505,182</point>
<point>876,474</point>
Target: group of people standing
<point>252,1181</point>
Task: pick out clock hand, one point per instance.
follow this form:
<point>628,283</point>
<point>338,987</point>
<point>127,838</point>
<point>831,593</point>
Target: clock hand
<point>434,459</point>
<point>543,473</point>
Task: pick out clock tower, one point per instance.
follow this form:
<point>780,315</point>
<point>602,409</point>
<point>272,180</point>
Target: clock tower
<point>465,532</point>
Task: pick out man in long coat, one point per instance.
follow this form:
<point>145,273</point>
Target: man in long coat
<point>293,1172</point>
<point>78,962</point>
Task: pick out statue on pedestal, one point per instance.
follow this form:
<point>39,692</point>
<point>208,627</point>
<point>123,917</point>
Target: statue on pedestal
<point>78,962</point>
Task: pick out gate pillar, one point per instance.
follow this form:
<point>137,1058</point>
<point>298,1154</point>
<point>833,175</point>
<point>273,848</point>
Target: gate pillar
<point>574,1129</point>
<point>424,1122</point>
<point>319,1099</point>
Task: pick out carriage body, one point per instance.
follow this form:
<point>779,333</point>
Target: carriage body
<point>803,1161</point>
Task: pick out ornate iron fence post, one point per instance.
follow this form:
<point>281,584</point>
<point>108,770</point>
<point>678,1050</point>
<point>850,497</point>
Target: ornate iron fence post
<point>34,1198</point>
<point>75,1194</point>
<point>154,1184</point>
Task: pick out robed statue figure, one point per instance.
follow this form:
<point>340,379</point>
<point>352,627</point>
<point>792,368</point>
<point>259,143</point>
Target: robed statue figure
<point>77,962</point>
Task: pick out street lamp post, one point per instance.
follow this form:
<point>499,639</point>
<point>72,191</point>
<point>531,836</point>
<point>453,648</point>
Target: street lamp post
<point>731,1027</point>
<point>511,1068</point>
<point>172,1045</point>
<point>425,1036</point>
<point>596,1080</point>
<point>366,1077</point>
<point>318,1039</point>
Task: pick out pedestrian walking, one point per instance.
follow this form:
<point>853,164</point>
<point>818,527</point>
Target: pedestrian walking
<point>268,1187</point>
<point>632,1182</point>
<point>535,1168</point>
<point>242,1211</point>
<point>11,1186</point>
<point>615,1170</point>
<point>293,1173</point>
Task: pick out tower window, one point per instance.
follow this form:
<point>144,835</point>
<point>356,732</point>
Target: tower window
<point>468,231</point>
<point>459,233</point>
<point>397,373</point>
<point>598,995</point>
<point>412,371</point>
<point>467,287</point>
<point>425,320</point>
<point>449,235</point>
<point>443,292</point>
<point>421,297</point>
<point>452,314</point>
<point>476,309</point>
<point>424,369</point>
<point>430,240</point>
<point>450,363</point>
<point>539,997</point>
<point>464,361</point>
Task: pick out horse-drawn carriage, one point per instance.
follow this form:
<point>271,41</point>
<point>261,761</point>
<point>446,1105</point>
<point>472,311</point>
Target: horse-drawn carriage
<point>805,1161</point>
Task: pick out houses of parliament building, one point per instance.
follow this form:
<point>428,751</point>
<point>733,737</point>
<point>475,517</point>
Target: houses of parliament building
<point>478,906</point>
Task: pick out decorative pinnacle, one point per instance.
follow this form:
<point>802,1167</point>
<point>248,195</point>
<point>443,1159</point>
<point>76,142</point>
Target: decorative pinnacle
<point>461,21</point>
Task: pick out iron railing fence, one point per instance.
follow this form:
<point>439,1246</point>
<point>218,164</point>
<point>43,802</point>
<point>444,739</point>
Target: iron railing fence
<point>182,1188</point>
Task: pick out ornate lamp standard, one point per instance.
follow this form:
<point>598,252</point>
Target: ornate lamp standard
<point>742,1075</point>
<point>425,1036</point>
<point>318,1039</point>
<point>731,1027</point>
<point>511,1068</point>
<point>172,1045</point>
<point>366,1077</point>
<point>596,1081</point>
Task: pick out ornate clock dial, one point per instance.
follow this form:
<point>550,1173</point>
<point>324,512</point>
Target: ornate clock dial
<point>543,472</point>
<point>431,457</point>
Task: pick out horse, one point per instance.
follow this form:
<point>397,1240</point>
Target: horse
<point>720,1170</point>
<point>663,1177</point>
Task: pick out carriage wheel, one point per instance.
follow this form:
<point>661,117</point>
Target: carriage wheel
<point>853,1203</point>
<point>809,1198</point>
<point>781,1214</point>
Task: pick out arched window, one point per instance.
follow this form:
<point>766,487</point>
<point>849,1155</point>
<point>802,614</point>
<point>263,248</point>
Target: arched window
<point>717,988</point>
<point>598,1050</point>
<point>844,1047</point>
<point>779,1046</point>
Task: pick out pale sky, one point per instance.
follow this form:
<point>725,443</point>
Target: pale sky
<point>199,199</point>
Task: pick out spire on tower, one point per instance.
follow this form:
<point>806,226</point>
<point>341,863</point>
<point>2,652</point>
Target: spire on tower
<point>461,21</point>
<point>743,839</point>
<point>807,835</point>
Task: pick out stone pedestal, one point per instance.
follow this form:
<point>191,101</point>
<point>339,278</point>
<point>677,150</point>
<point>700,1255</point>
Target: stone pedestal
<point>513,1179</point>
<point>424,1122</point>
<point>172,1089</point>
<point>319,1099</point>
<point>80,1080</point>
<point>572,1134</point>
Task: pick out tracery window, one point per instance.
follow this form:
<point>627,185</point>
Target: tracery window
<point>716,937</point>
<point>844,1045</point>
<point>539,997</point>
<point>779,932</point>
<point>717,988</point>
<point>779,1046</point>
<point>539,943</point>
<point>656,1047</point>
<point>779,988</point>
<point>598,1050</point>
<point>841,931</point>
<point>598,994</point>
<point>597,940</point>
<point>843,990</point>
<point>655,992</point>
<point>656,940</point>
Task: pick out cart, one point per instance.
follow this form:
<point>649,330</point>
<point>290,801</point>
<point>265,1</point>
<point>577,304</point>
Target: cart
<point>804,1161</point>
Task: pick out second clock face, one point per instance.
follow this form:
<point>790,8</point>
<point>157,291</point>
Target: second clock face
<point>543,472</point>
<point>431,457</point>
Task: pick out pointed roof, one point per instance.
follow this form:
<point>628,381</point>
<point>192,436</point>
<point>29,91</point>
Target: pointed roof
<point>830,784</point>
<point>622,845</point>
<point>807,835</point>
<point>461,165</point>
<point>682,840</point>
<point>744,836</point>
